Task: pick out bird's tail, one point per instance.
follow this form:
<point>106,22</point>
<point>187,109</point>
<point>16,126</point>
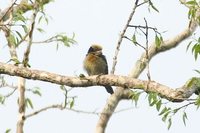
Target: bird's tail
<point>109,89</point>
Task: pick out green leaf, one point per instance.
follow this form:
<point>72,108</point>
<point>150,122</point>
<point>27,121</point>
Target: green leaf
<point>153,7</point>
<point>19,34</point>
<point>169,123</point>
<point>152,99</point>
<point>196,50</point>
<point>188,45</point>
<point>2,99</point>
<point>164,110</point>
<point>135,97</point>
<point>47,20</point>
<point>17,42</point>
<point>192,2</point>
<point>62,87</point>
<point>25,28</point>
<point>39,20</point>
<point>19,17</point>
<point>164,118</point>
<point>161,39</point>
<point>29,102</point>
<point>193,48</point>
<point>71,103</point>
<point>158,105</point>
<point>8,131</point>
<point>65,40</point>
<point>157,41</point>
<point>153,103</point>
<point>189,13</point>
<point>192,13</point>
<point>16,61</point>
<point>12,40</point>
<point>184,118</point>
<point>40,30</point>
<point>198,71</point>
<point>176,110</point>
<point>197,102</point>
<point>37,92</point>
<point>134,39</point>
<point>57,46</point>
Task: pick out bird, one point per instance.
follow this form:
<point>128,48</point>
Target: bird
<point>95,63</point>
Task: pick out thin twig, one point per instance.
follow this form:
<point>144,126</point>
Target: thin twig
<point>147,49</point>
<point>184,106</point>
<point>61,107</point>
<point>23,39</point>
<point>8,10</point>
<point>44,109</point>
<point>142,3</point>
<point>144,27</point>
<point>137,44</point>
<point>121,37</point>
<point>30,35</point>
<point>51,39</point>
<point>9,94</point>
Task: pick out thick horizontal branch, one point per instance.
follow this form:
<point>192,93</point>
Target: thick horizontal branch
<point>179,94</point>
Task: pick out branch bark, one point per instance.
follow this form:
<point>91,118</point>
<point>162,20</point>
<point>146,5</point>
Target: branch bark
<point>175,95</point>
<point>21,104</point>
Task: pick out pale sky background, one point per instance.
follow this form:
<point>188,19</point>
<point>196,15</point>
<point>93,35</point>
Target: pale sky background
<point>100,21</point>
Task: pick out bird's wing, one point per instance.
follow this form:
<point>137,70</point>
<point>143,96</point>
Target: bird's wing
<point>104,59</point>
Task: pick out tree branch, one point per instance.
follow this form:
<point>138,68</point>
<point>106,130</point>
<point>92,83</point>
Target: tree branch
<point>60,106</point>
<point>139,67</point>
<point>141,64</point>
<point>30,36</point>
<point>175,95</point>
<point>122,35</point>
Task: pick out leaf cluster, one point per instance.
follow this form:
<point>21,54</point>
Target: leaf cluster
<point>195,47</point>
<point>194,7</point>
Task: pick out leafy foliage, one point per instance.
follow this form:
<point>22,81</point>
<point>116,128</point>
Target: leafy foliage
<point>134,39</point>
<point>36,91</point>
<point>2,99</point>
<point>194,7</point>
<point>67,41</point>
<point>69,100</point>
<point>195,47</point>
<point>151,5</point>
<point>167,113</point>
<point>184,118</point>
<point>155,100</point>
<point>197,102</point>
<point>135,96</point>
<point>28,103</point>
<point>158,40</point>
<point>8,131</point>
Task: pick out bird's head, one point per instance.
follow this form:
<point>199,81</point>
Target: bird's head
<point>95,48</point>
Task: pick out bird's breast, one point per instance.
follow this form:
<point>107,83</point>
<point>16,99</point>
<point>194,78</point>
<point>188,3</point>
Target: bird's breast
<point>95,65</point>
